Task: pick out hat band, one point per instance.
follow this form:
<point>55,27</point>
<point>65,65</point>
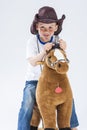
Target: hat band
<point>47,20</point>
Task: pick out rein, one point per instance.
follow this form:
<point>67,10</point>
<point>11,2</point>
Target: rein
<point>58,61</point>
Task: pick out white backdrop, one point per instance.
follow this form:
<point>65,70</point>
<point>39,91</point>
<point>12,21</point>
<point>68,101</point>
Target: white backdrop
<point>15,19</point>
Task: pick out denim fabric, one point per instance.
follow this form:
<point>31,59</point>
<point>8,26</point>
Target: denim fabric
<point>27,105</point>
<point>74,120</point>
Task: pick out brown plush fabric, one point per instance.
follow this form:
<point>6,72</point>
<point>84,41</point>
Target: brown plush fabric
<point>53,76</point>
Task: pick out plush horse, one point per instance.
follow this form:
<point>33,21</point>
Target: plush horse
<point>53,93</point>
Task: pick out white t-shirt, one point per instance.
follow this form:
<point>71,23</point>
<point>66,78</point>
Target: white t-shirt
<point>33,44</point>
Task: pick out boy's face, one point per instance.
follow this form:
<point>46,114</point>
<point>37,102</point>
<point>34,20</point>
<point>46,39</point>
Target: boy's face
<point>46,31</point>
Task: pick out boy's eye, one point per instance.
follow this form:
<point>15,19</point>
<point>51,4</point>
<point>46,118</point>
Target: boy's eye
<point>50,27</point>
<point>42,27</point>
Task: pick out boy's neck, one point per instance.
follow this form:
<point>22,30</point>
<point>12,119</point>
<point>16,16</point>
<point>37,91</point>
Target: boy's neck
<point>42,42</point>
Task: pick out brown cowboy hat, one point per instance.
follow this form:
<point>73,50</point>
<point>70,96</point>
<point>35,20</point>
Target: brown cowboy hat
<point>47,14</point>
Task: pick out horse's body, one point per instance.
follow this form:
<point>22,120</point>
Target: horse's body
<point>54,92</point>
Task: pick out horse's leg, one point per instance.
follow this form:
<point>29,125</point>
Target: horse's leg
<point>64,114</point>
<point>35,120</point>
<point>48,114</point>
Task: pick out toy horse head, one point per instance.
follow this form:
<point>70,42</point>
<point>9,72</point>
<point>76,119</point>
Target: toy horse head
<point>56,59</point>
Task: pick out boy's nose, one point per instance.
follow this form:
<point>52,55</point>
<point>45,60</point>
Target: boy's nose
<point>46,30</point>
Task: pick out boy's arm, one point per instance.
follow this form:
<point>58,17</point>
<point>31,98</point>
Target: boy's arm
<point>33,60</point>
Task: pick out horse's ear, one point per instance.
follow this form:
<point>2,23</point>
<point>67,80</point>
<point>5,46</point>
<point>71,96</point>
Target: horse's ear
<point>47,51</point>
<point>56,45</point>
<point>40,62</point>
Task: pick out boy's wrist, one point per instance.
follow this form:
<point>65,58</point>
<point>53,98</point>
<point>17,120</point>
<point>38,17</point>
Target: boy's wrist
<point>44,52</point>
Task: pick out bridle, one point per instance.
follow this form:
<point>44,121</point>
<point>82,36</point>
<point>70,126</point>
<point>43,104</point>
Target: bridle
<point>58,61</point>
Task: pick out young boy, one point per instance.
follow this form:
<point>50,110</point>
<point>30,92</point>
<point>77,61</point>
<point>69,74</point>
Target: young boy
<point>46,28</point>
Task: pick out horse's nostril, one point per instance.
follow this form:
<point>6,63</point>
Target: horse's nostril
<point>59,65</point>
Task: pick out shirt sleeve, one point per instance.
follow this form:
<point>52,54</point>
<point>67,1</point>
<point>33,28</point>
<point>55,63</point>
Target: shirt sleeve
<point>31,49</point>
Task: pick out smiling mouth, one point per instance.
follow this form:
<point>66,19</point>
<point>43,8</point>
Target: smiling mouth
<point>46,36</point>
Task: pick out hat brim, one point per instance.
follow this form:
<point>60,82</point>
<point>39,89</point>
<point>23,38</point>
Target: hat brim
<point>58,21</point>
<point>48,20</point>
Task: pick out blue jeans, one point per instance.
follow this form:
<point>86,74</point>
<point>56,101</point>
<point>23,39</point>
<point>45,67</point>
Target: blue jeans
<point>74,120</point>
<point>27,105</point>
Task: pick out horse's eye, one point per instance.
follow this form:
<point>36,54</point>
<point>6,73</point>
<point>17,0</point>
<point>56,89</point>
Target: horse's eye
<point>49,56</point>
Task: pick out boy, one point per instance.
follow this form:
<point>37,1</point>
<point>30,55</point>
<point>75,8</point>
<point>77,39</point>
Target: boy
<point>46,28</point>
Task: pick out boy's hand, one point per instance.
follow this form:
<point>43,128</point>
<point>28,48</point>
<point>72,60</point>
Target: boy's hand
<point>48,46</point>
<point>62,44</point>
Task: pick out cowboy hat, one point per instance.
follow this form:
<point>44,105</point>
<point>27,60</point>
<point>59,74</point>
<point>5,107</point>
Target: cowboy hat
<point>47,15</point>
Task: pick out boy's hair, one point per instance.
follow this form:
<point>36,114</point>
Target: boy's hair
<point>47,14</point>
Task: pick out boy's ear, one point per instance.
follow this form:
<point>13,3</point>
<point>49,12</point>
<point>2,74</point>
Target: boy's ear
<point>37,26</point>
<point>56,28</point>
<point>40,62</point>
